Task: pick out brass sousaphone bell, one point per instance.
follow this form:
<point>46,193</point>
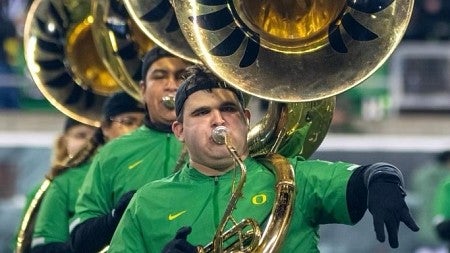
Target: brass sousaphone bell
<point>63,61</point>
<point>293,51</point>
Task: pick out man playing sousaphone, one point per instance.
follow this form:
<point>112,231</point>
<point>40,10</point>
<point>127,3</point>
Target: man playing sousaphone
<point>126,163</point>
<point>213,124</point>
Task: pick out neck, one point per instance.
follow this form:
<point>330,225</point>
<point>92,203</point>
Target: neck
<point>166,128</point>
<point>218,169</point>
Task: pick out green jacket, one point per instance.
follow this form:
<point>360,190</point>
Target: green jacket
<point>190,198</point>
<point>58,206</point>
<point>124,164</point>
<point>441,204</point>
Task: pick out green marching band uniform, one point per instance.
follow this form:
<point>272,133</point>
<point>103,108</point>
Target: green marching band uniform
<point>314,205</point>
<point>123,163</point>
<point>58,206</point>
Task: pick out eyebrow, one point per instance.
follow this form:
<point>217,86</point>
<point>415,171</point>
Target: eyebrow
<point>165,71</point>
<point>157,71</point>
<point>228,103</point>
<point>224,104</point>
<point>199,109</point>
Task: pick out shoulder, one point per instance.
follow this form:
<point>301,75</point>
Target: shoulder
<point>299,162</point>
<point>163,187</point>
<point>76,173</point>
<point>142,137</point>
<point>162,183</point>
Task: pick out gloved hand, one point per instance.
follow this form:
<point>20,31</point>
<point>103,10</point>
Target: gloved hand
<point>443,230</point>
<point>386,203</point>
<point>121,205</point>
<point>180,244</point>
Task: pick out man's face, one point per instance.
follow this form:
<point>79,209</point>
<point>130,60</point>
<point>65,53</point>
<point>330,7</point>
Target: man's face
<point>76,137</point>
<point>204,111</point>
<point>122,124</point>
<point>163,79</point>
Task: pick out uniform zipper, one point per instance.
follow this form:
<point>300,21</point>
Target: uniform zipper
<point>216,202</point>
<point>166,160</point>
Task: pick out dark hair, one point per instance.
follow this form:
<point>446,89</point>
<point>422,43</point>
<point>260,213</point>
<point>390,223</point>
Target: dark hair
<point>198,77</point>
<point>443,157</point>
<point>69,123</point>
<point>150,57</point>
<point>120,103</point>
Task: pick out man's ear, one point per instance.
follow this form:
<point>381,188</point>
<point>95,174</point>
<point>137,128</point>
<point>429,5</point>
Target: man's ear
<point>177,129</point>
<point>142,88</point>
<point>247,115</point>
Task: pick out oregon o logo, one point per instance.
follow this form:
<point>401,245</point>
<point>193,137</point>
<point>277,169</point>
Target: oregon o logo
<point>259,199</point>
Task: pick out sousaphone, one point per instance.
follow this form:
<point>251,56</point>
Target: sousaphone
<point>63,61</point>
<point>120,44</point>
<point>293,51</point>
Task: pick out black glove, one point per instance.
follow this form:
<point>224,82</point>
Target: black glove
<point>443,230</point>
<point>180,244</point>
<point>118,211</point>
<point>386,203</point>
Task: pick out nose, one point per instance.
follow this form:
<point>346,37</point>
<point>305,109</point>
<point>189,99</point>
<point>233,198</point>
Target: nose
<point>172,83</point>
<point>217,119</point>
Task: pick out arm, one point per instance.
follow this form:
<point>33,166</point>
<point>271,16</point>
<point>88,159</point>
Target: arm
<point>54,247</point>
<point>128,235</point>
<point>92,212</point>
<point>95,233</point>
<point>380,184</point>
<point>52,228</point>
<point>443,230</point>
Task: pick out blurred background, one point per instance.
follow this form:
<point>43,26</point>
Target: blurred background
<point>401,115</point>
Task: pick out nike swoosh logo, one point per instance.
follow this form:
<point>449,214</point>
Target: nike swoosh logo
<point>175,215</point>
<point>133,165</point>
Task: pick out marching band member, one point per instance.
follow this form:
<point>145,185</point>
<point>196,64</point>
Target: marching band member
<point>121,114</point>
<point>195,198</point>
<point>125,164</point>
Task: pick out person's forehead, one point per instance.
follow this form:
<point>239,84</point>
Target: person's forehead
<point>125,114</point>
<point>167,63</point>
<point>80,128</point>
<point>217,95</point>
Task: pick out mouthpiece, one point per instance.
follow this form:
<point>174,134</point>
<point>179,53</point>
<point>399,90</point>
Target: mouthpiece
<point>219,134</point>
<point>169,102</point>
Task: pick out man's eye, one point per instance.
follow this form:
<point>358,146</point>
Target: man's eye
<point>229,109</point>
<point>179,76</point>
<point>201,112</point>
<point>80,136</point>
<point>158,76</point>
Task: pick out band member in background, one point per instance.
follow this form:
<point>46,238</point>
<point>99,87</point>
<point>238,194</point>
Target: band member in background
<point>74,136</point>
<point>127,163</point>
<point>441,205</point>
<point>121,114</point>
<point>195,198</point>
